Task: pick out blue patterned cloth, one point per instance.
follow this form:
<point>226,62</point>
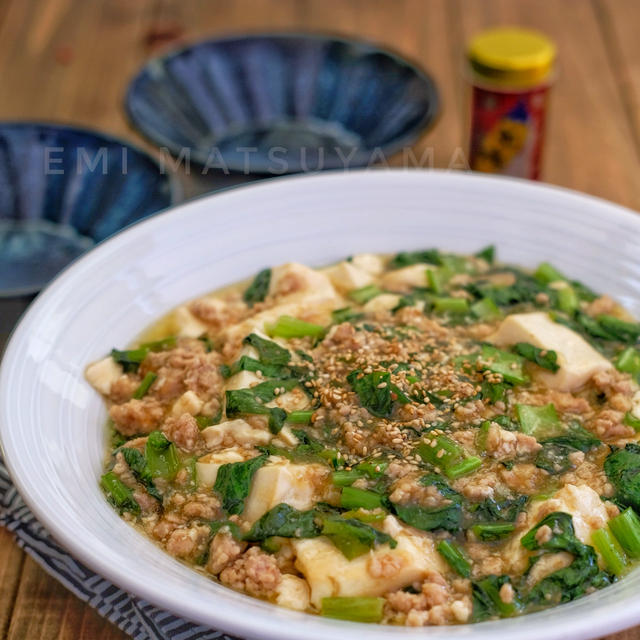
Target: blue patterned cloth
<point>136,617</point>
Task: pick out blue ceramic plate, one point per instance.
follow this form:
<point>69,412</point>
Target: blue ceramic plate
<point>62,189</point>
<point>282,103</point>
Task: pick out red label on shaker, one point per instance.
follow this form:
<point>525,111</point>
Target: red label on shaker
<point>507,131</point>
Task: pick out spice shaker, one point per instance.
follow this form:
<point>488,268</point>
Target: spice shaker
<point>511,72</point>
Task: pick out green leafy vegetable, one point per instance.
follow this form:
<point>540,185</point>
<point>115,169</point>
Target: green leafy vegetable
<point>455,557</point>
<point>487,602</point>
<point>258,289</point>
<point>161,456</point>
<point>628,361</point>
<point>118,494</point>
<point>546,273</point>
<point>289,327</point>
<point>540,422</point>
<point>623,470</point>
<point>573,581</point>
<point>542,357</point>
<point>141,472</point>
<point>455,306</point>
<point>508,365</point>
<point>609,548</point>
<point>234,481</point>
<point>352,498</point>
<point>352,536</point>
<point>487,254</point>
<point>494,531</point>
<point>144,386</point>
<point>269,352</point>
<point>354,609</point>
<point>346,314</point>
<point>485,309</point>
<point>373,390</point>
<point>364,294</point>
<point>408,258</point>
<point>627,332</point>
<point>286,522</point>
<point>626,528</point>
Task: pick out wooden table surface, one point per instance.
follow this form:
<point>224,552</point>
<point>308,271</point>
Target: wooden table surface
<point>70,60</point>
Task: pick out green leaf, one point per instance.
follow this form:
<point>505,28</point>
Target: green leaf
<point>364,294</point>
<point>352,536</point>
<point>408,258</point>
<point>430,518</point>
<point>539,422</point>
<point>355,609</point>
<point>162,456</point>
<point>627,332</point>
<point>352,498</point>
<point>508,365</point>
<point>118,494</point>
<point>141,471</point>
<point>144,386</point>
<point>628,361</point>
<point>286,522</point>
<point>373,390</point>
<point>546,273</point>
<point>346,314</point>
<point>487,602</point>
<point>542,357</point>
<point>622,467</point>
<point>258,289</point>
<point>487,254</point>
<point>269,352</point>
<point>289,327</point>
<point>233,483</point>
<point>455,557</point>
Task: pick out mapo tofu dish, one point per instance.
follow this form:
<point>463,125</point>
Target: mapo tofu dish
<point>419,439</point>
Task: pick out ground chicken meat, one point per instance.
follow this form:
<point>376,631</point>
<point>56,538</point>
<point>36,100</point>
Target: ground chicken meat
<point>137,416</point>
<point>189,543</point>
<point>223,550</point>
<point>507,445</point>
<point>184,432</point>
<point>254,572</point>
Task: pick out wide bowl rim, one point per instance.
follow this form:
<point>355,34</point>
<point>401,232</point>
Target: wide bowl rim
<point>618,616</point>
<point>426,124</point>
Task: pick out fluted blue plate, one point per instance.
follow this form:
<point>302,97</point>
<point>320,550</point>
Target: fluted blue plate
<point>63,189</point>
<point>282,103</point>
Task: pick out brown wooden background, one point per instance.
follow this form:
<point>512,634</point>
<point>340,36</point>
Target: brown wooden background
<point>70,60</point>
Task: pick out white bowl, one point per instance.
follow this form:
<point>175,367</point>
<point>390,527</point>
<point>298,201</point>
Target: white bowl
<point>51,421</point>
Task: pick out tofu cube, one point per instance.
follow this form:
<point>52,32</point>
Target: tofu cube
<point>345,277</point>
<point>369,262</point>
<point>383,302</point>
<point>234,432</point>
<point>186,325</point>
<point>330,574</point>
<point>188,402</point>
<point>406,278</point>
<point>577,359</point>
<point>298,485</point>
<point>207,466</point>
<point>102,374</point>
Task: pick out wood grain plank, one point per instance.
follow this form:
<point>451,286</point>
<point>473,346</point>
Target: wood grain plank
<point>45,610</point>
<point>11,562</point>
<point>590,143</point>
<point>619,20</point>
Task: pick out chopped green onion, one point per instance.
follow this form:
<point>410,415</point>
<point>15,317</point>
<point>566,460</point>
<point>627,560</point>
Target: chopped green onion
<point>451,305</point>
<point>492,531</point>
<point>364,294</point>
<point>568,300</point>
<point>160,345</point>
<point>631,421</point>
<point>300,417</point>
<point>539,422</point>
<point>290,327</point>
<point>485,309</point>
<point>454,556</point>
<point>463,468</point>
<point>610,550</point>
<point>628,361</point>
<point>546,273</point>
<point>353,498</point>
<point>354,609</point>
<point>626,528</point>
<point>147,381</point>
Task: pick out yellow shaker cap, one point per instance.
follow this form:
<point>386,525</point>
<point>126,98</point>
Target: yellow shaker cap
<point>511,55</point>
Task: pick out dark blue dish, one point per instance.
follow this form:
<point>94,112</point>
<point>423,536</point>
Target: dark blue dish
<point>282,103</point>
<point>62,189</point>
